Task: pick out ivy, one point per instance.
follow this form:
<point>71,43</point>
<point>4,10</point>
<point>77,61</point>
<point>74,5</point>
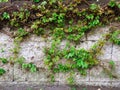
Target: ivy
<point>6,15</point>
<point>3,0</point>
<point>54,18</point>
<point>112,3</point>
<point>2,71</point>
<point>4,60</point>
<point>114,37</point>
<point>36,1</point>
<point>29,66</point>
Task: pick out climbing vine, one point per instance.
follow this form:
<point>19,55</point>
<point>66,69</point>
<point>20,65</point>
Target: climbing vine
<point>61,20</point>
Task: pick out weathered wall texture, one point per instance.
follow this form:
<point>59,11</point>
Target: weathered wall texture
<point>32,50</point>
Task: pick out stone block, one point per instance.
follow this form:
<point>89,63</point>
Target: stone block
<point>32,51</point>
<point>6,45</point>
<point>8,76</point>
<point>106,52</point>
<point>116,53</point>
<point>97,33</point>
<point>82,45</point>
<point>39,76</point>
<point>98,74</point>
<point>20,75</point>
<point>63,78</point>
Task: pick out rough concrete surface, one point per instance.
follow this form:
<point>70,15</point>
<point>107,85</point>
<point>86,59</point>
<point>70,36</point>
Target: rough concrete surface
<point>32,51</point>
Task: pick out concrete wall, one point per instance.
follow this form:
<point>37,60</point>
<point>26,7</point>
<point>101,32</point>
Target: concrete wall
<point>32,50</point>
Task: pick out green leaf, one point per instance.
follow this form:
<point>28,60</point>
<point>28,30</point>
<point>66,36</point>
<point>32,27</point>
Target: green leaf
<point>33,69</point>
<point>112,64</point>
<point>36,1</point>
<point>93,6</point>
<point>24,65</point>
<point>3,0</point>
<point>4,60</point>
<point>118,5</point>
<point>6,15</point>
<point>2,71</point>
<point>112,3</point>
<point>21,32</point>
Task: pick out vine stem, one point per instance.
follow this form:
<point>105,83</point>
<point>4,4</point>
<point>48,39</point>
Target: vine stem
<point>6,7</point>
<point>7,33</point>
<point>86,2</point>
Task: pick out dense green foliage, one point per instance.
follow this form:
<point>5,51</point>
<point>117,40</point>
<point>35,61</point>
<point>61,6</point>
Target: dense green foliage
<point>62,21</point>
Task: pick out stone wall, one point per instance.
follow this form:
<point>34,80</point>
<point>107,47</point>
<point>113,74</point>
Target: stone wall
<point>32,50</point>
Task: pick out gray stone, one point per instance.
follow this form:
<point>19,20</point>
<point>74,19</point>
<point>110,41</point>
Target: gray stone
<point>35,38</point>
<point>115,84</point>
<point>32,51</point>
<point>97,74</point>
<point>116,53</point>
<point>79,78</point>
<point>96,34</point>
<point>6,45</point>
<point>106,52</point>
<point>100,74</point>
<point>39,76</point>
<point>8,76</point>
<point>98,83</point>
<point>63,78</point>
<point>90,44</point>
<point>20,75</point>
<point>82,45</point>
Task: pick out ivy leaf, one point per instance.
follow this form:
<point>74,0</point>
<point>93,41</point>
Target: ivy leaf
<point>6,15</point>
<point>118,5</point>
<point>33,69</point>
<point>36,1</point>
<point>2,71</point>
<point>24,65</point>
<point>112,3</point>
<point>93,6</point>
<point>4,60</point>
